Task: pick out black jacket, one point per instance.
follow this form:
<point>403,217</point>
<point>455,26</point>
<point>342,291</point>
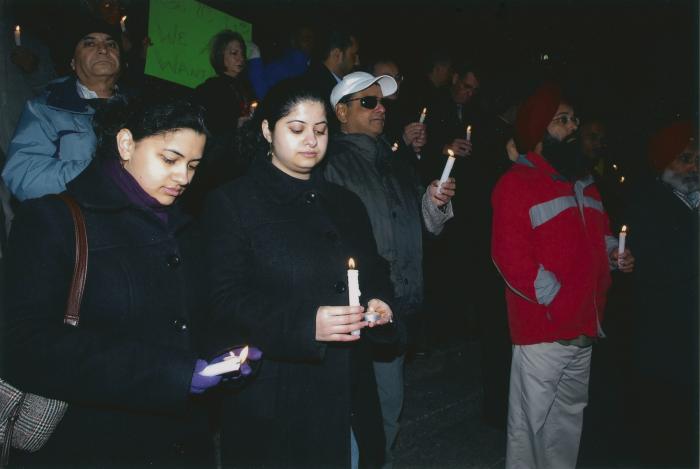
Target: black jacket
<point>664,240</point>
<point>126,369</point>
<point>278,248</point>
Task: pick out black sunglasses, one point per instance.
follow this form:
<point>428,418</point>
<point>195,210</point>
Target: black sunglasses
<point>367,102</point>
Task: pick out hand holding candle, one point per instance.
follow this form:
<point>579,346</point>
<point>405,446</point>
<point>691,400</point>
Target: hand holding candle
<point>230,362</point>
<point>621,245</point>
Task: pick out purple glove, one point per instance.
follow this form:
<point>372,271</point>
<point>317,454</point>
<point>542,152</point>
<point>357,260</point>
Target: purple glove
<point>254,354</point>
<point>201,383</point>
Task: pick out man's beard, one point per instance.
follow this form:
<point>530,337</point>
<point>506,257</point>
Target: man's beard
<point>683,183</point>
<point>566,157</point>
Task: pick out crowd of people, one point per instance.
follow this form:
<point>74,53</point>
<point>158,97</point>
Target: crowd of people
<point>234,215</point>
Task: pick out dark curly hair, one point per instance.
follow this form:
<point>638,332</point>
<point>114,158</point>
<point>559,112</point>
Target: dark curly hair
<point>144,117</point>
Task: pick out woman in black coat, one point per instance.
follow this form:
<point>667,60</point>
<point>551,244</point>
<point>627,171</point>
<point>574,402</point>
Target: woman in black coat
<point>130,369</point>
<point>278,244</point>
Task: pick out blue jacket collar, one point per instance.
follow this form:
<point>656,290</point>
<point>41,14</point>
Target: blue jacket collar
<point>63,94</point>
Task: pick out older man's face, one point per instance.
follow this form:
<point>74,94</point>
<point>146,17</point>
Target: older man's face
<point>96,56</point>
<point>682,172</point>
<point>356,118</point>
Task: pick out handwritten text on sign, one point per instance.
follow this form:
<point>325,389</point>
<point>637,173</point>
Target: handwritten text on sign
<point>181,31</point>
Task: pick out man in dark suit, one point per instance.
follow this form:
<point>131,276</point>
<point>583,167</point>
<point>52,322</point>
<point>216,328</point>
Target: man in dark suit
<point>339,55</point>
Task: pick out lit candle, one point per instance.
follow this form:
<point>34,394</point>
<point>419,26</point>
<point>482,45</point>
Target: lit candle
<point>230,363</point>
<point>253,107</point>
<point>18,36</point>
<point>421,119</point>
<point>122,23</point>
<point>614,167</point>
<point>353,287</point>
<point>622,179</point>
<point>448,166</point>
<point>395,147</point>
<point>469,133</point>
<point>621,244</point>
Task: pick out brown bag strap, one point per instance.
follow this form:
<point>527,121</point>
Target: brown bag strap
<point>77,285</point>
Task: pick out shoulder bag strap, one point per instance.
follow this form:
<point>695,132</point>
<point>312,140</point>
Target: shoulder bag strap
<point>77,286</point>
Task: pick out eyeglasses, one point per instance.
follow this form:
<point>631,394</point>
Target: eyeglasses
<point>564,120</point>
<point>367,102</point>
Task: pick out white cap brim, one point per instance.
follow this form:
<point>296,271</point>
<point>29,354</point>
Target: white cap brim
<point>358,81</point>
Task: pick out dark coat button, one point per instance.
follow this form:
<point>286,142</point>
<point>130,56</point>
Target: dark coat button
<point>173,261</point>
<point>180,324</point>
<point>340,287</point>
<point>310,197</point>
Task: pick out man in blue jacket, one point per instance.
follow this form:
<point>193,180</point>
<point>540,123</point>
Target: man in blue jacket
<point>54,140</point>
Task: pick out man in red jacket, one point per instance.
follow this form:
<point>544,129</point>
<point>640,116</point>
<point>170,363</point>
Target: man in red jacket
<point>552,244</point>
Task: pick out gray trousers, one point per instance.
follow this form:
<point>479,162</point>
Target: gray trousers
<point>548,392</point>
<point>389,375</point>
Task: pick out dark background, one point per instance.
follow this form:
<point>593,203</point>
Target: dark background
<point>633,63</point>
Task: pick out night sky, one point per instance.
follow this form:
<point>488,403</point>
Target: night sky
<point>632,62</point>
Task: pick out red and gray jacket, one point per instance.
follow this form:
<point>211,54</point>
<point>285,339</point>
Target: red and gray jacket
<point>550,242</point>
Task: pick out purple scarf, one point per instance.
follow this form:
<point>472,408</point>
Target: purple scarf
<point>133,191</point>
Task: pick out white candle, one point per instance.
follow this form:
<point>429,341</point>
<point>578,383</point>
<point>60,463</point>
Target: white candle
<point>448,166</point>
<point>122,23</point>
<point>353,287</point>
<point>421,119</point>
<point>253,107</point>
<point>18,36</point>
<point>469,133</point>
<point>621,244</point>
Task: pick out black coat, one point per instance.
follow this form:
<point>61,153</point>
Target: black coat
<point>664,240</point>
<point>126,369</point>
<point>278,249</point>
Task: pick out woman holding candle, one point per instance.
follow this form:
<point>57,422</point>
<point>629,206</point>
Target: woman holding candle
<point>279,240</point>
<point>128,371</point>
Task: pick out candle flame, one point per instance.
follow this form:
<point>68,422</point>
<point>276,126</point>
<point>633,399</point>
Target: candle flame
<point>254,104</point>
<point>622,179</point>
<point>469,128</point>
<point>351,263</point>
<point>425,111</point>
<point>614,167</point>
<point>17,28</point>
<point>450,153</point>
<point>624,229</point>
<point>395,146</point>
<point>123,18</point>
<point>244,354</point>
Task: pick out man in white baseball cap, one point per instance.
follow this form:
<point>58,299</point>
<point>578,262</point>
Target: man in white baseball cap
<point>362,160</point>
